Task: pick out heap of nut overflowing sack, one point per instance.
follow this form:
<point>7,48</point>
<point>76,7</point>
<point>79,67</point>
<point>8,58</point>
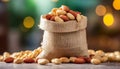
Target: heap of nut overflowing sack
<point>63,14</point>
<point>28,56</point>
<point>59,15</point>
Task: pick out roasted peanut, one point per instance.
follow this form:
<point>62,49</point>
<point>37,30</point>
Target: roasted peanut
<point>78,17</point>
<point>64,60</point>
<point>95,61</point>
<point>52,13</point>
<point>58,19</point>
<point>70,16</point>
<point>15,55</point>
<point>87,59</point>
<point>54,10</point>
<point>118,58</point>
<point>9,59</point>
<point>79,60</point>
<point>23,56</point>
<point>18,61</point>
<point>56,61</point>
<point>91,52</point>
<point>6,54</point>
<point>35,53</point>
<point>111,57</point>
<point>99,53</point>
<point>64,17</point>
<point>48,16</point>
<point>42,61</point>
<point>104,59</point>
<point>60,12</point>
<point>97,57</point>
<point>72,59</point>
<point>65,8</point>
<point>52,18</point>
<point>73,13</point>
<point>28,60</point>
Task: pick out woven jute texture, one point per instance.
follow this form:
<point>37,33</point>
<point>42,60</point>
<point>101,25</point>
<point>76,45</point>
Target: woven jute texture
<point>63,38</point>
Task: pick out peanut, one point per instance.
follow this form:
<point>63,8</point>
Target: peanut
<point>56,61</point>
<point>104,59</point>
<point>35,53</point>
<point>91,52</point>
<point>64,17</point>
<point>28,60</point>
<point>87,59</point>
<point>42,61</point>
<point>48,16</point>
<point>60,12</point>
<point>111,57</point>
<point>99,53</point>
<point>52,13</point>
<point>54,9</point>
<point>72,59</point>
<point>70,16</point>
<point>64,60</point>
<point>118,58</point>
<point>79,60</point>
<point>58,19</point>
<point>9,59</point>
<point>52,18</point>
<point>6,54</point>
<point>23,56</point>
<point>78,17</point>
<point>97,57</point>
<point>95,61</point>
<point>73,13</point>
<point>65,8</point>
<point>15,55</point>
<point>18,61</point>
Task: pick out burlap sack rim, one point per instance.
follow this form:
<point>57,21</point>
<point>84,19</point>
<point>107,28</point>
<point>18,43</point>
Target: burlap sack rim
<point>62,27</point>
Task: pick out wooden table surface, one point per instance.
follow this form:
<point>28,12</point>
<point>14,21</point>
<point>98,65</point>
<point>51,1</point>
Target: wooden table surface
<point>61,66</point>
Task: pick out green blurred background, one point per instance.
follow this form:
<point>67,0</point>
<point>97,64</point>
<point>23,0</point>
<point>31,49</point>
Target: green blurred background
<point>19,20</point>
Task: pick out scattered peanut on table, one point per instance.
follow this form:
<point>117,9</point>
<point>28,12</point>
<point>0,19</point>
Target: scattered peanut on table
<point>28,56</point>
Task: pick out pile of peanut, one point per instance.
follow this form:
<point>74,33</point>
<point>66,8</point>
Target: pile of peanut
<point>63,14</point>
<point>95,57</point>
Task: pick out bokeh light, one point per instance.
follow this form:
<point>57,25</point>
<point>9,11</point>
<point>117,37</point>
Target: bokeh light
<point>28,22</point>
<point>100,10</point>
<point>5,1</point>
<point>116,4</point>
<point>108,19</point>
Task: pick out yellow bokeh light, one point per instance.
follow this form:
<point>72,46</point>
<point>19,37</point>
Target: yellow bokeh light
<point>116,4</point>
<point>100,10</point>
<point>108,19</point>
<point>28,22</point>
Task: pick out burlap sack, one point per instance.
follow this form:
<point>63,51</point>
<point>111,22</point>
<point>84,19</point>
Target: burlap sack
<point>63,39</point>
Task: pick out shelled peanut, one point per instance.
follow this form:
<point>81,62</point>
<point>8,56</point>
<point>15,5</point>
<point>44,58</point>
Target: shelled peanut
<point>63,14</point>
<point>100,56</point>
<point>21,57</point>
<point>96,57</point>
<point>42,61</point>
